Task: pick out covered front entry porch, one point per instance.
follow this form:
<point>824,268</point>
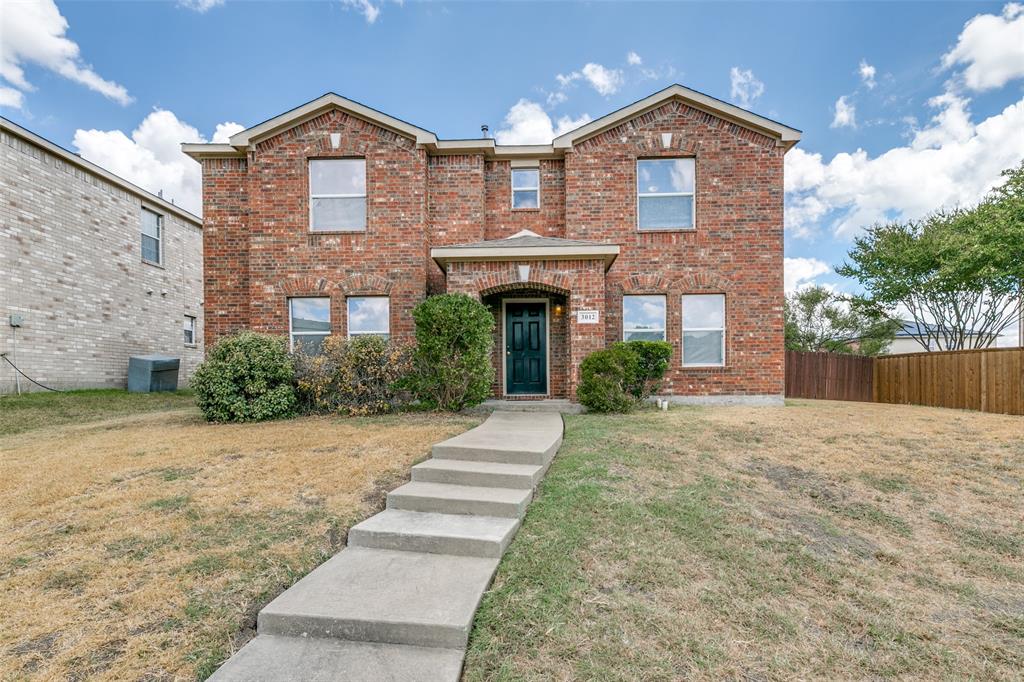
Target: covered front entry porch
<point>547,297</point>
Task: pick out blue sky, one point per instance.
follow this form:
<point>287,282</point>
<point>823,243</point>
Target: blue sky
<point>904,106</point>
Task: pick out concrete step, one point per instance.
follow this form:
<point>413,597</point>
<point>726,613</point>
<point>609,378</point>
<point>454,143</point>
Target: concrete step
<point>385,596</point>
<point>466,472</point>
<point>445,498</point>
<point>411,531</point>
<point>509,437</point>
<point>302,659</point>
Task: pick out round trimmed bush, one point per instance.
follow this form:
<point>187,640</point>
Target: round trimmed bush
<point>606,379</point>
<point>652,363</point>
<point>454,340</point>
<point>247,377</point>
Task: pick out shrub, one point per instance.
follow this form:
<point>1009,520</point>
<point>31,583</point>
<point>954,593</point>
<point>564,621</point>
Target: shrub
<point>652,363</point>
<point>246,377</point>
<point>607,378</point>
<point>358,376</point>
<point>454,339</point>
<point>623,374</point>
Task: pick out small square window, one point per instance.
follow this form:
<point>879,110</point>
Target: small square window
<point>643,318</point>
<point>369,315</point>
<point>309,323</point>
<point>704,330</point>
<point>190,330</point>
<point>337,195</point>
<point>152,235</point>
<point>525,188</point>
<point>665,194</point>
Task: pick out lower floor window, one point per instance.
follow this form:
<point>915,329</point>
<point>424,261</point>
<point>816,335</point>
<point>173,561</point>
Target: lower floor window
<point>704,330</point>
<point>309,323</point>
<point>369,315</point>
<point>190,330</point>
<point>643,318</point>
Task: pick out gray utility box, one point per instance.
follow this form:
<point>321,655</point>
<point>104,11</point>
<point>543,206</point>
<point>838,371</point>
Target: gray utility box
<point>151,373</point>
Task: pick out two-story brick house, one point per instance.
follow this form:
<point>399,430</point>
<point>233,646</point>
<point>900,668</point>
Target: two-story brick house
<point>663,220</point>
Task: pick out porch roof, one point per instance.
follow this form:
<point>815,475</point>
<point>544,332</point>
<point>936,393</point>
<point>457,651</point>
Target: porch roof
<point>526,245</point>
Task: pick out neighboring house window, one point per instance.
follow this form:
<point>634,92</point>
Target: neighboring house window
<point>664,194</point>
<point>190,330</point>
<point>337,195</point>
<point>704,330</point>
<point>643,318</point>
<point>152,235</point>
<point>309,323</point>
<point>525,188</point>
<point>369,315</point>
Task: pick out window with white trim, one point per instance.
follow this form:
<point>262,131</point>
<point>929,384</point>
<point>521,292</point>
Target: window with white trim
<point>525,188</point>
<point>643,318</point>
<point>190,330</point>
<point>152,236</point>
<point>369,315</point>
<point>337,195</point>
<point>665,194</point>
<point>703,330</point>
<point>309,323</point>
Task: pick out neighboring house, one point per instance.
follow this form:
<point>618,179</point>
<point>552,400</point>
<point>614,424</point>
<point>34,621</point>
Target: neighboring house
<point>906,340</point>
<point>662,220</point>
<point>96,269</point>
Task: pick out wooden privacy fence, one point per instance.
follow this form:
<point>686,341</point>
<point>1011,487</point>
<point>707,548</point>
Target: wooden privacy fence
<point>828,376</point>
<point>990,380</point>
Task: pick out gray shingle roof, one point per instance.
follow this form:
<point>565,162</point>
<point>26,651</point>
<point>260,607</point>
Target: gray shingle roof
<point>523,241</point>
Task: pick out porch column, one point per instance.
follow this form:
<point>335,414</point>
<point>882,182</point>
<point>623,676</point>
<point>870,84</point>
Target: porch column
<point>588,294</point>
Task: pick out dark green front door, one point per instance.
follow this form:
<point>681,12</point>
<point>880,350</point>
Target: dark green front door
<point>526,352</point>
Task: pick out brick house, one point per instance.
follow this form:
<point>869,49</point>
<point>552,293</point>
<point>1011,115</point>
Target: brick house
<point>93,269</point>
<point>663,220</point>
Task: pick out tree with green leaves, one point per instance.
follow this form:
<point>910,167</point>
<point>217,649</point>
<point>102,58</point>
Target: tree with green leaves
<point>957,273</point>
<point>818,319</point>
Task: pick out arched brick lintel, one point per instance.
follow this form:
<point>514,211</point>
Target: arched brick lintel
<point>544,280</point>
<point>303,285</point>
<point>365,283</point>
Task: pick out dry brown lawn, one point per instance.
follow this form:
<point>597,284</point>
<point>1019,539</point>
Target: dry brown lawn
<point>822,540</point>
<point>142,547</point>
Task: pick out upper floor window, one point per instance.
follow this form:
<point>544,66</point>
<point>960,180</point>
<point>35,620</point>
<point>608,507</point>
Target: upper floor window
<point>190,330</point>
<point>643,318</point>
<point>337,195</point>
<point>152,236</point>
<point>369,315</point>
<point>309,323</point>
<point>525,188</point>
<point>664,194</point>
<point>704,330</point>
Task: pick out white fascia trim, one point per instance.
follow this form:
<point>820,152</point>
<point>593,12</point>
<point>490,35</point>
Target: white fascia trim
<point>75,160</point>
<point>606,252</point>
<point>786,136</point>
<point>321,104</point>
<point>200,151</point>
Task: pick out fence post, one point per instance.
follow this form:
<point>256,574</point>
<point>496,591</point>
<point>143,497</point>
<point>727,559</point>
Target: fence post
<point>984,382</point>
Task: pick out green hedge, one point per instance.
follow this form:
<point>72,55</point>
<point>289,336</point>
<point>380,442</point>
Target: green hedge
<point>622,375</point>
<point>454,340</point>
<point>247,377</point>
<point>358,376</point>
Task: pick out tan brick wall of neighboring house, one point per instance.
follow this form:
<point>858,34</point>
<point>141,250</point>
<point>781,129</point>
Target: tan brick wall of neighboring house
<point>71,265</point>
<point>736,248</point>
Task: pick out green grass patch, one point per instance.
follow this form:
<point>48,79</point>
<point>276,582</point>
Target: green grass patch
<point>30,411</point>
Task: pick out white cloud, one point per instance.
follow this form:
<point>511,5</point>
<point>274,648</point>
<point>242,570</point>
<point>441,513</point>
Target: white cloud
<point>952,161</point>
<point>369,10</point>
<point>9,97</point>
<point>224,131</point>
<point>557,97</point>
<point>527,123</point>
<point>606,81</point>
<point>992,47</point>
<point>867,74</point>
<point>633,59</point>
<point>201,6</point>
<point>745,88</point>
<point>33,32</point>
<point>845,114</point>
<point>151,158</point>
<point>800,272</point>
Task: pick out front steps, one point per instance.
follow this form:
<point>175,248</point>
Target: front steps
<point>398,603</point>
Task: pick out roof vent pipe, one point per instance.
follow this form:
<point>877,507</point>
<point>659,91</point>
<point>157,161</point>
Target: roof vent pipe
<point>485,131</point>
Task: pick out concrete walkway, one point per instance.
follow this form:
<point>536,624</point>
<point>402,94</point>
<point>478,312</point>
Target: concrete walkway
<point>397,604</point>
